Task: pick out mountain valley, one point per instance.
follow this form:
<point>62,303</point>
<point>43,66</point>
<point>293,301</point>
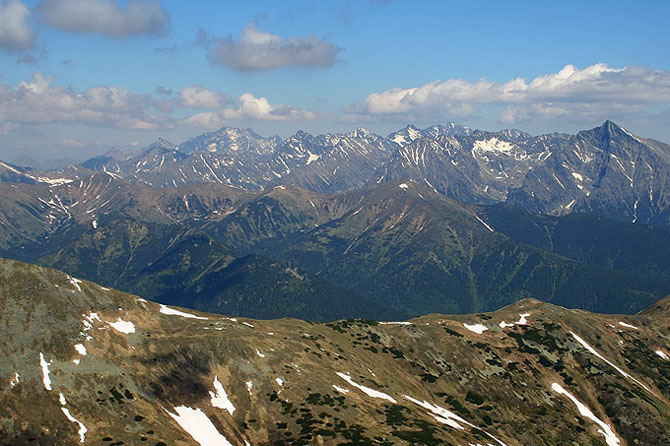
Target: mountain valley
<point>389,250</point>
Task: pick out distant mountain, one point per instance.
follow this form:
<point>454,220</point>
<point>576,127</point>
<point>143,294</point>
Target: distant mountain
<point>12,174</point>
<point>595,240</point>
<point>384,251</point>
<point>330,163</point>
<point>152,157</point>
<point>148,241</point>
<point>244,143</point>
<point>424,220</point>
<point>411,133</point>
<point>92,365</point>
<point>414,250</point>
<point>603,171</point>
<point>241,158</point>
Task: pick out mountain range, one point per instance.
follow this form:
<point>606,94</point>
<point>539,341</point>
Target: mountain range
<point>318,272</point>
<point>86,364</point>
<point>443,219</point>
<point>390,250</point>
<point>604,171</point>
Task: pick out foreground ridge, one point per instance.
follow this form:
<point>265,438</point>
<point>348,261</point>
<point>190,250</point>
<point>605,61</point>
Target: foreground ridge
<point>107,367</point>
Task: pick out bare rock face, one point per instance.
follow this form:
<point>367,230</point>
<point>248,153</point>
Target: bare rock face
<point>604,171</point>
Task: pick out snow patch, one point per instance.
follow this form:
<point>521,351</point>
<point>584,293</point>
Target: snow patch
<point>122,326</point>
<point>220,397</point>
<point>75,282</point>
<point>82,429</point>
<point>594,352</point>
<point>395,323</point>
<point>447,417</point>
<point>15,380</point>
<point>87,322</point>
<point>312,158</point>
<point>623,324</point>
<point>605,429</point>
<point>45,371</point>
<point>199,426</point>
<point>522,319</point>
<point>399,139</point>
<point>51,181</point>
<point>633,136</point>
<point>493,145</point>
<point>484,223</point>
<point>280,382</point>
<point>368,391</point>
<point>660,353</point>
<point>80,349</point>
<point>477,328</point>
<point>403,186</point>
<point>171,311</point>
<point>92,317</point>
<point>260,355</point>
<point>440,414</point>
<point>340,389</point>
<point>249,385</point>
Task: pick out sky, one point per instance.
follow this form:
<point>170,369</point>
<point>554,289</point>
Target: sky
<point>81,77</point>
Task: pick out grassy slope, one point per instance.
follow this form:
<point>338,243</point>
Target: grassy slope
<point>499,381</point>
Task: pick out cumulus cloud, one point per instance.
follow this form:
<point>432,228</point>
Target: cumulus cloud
<point>105,17</point>
<point>259,50</point>
<point>571,94</point>
<point>15,33</point>
<point>249,107</point>
<point>199,97</point>
<point>39,102</point>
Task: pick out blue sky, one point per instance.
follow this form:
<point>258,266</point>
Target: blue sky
<point>78,77</point>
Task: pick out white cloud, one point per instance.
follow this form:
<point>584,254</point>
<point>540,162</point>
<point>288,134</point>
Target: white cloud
<point>594,92</point>
<point>199,97</point>
<point>72,142</point>
<point>249,107</point>
<point>105,17</point>
<point>39,102</point>
<point>15,34</point>
<point>259,50</point>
